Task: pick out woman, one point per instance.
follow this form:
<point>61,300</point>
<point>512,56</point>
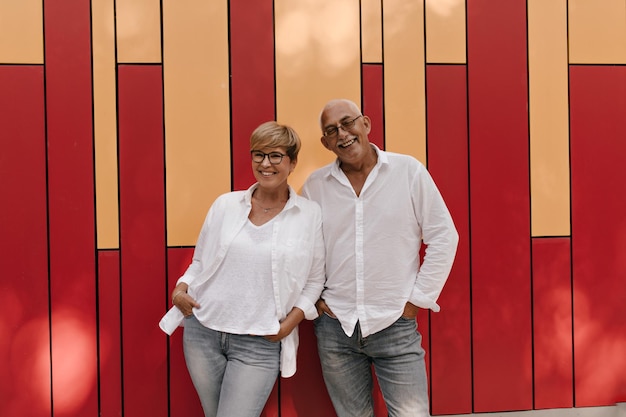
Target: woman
<point>257,271</point>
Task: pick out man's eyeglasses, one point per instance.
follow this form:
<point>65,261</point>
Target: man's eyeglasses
<point>346,125</point>
<point>275,158</point>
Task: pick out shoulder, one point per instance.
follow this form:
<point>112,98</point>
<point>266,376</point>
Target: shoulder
<point>306,205</point>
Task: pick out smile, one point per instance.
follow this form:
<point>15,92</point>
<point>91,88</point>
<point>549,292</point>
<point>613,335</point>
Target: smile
<point>346,143</point>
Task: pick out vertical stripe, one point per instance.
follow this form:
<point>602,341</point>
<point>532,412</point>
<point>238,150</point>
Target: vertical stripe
<point>549,130</point>
<point>138,31</point>
<point>405,90</point>
<point>184,400</point>
<point>142,221</point>
<point>252,79</point>
<point>499,205</point>
<point>317,59</point>
<point>71,207</point>
<point>598,129</point>
<point>24,320</point>
<point>110,334</point>
<point>105,123</point>
<point>451,372</point>
<point>445,31</point>
<point>197,112</point>
<point>371,31</point>
<point>552,313</point>
<point>373,105</point>
<point>21,32</point>
<point>597,31</point>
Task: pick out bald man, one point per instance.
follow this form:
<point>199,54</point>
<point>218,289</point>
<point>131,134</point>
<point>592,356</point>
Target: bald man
<point>377,209</point>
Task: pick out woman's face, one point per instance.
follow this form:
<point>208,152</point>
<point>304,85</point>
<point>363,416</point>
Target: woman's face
<point>271,166</point>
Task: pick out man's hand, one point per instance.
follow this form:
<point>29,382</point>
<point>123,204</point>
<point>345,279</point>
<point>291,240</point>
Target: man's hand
<point>410,311</point>
<point>322,308</point>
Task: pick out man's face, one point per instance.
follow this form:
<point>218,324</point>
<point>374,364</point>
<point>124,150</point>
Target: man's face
<point>345,131</point>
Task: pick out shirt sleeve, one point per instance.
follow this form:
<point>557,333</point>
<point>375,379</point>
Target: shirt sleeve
<point>199,255</point>
<point>441,238</point>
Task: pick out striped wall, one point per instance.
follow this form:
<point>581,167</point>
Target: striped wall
<point>122,120</point>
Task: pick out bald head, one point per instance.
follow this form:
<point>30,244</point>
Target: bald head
<point>342,102</point>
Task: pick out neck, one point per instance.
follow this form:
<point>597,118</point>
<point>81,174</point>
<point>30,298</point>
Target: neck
<point>271,196</point>
<point>364,165</point>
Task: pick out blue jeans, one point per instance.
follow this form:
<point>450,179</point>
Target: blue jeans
<point>233,374</point>
<point>397,357</point>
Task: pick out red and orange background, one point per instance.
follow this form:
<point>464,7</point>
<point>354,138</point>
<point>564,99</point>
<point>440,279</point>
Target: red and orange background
<point>122,120</point>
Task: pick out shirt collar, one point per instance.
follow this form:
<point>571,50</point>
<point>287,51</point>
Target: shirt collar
<point>382,159</point>
<point>291,202</point>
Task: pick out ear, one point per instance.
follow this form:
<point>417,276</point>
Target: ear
<point>324,142</point>
<point>292,165</point>
<point>368,124</point>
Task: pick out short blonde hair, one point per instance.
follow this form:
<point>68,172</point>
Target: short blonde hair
<point>274,135</point>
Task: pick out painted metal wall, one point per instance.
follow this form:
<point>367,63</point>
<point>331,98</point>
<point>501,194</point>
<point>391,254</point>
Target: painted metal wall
<point>122,120</point>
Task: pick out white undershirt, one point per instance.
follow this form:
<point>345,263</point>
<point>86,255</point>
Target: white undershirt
<point>240,297</point>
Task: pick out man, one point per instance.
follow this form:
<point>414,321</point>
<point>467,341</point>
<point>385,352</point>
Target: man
<point>377,208</point>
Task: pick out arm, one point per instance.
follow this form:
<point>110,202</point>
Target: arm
<point>439,233</point>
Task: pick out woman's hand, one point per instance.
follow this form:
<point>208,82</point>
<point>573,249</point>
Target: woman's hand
<point>290,322</point>
<point>183,301</point>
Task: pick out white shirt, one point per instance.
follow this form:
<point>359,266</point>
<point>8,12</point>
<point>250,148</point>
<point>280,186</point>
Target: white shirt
<point>297,265</point>
<point>239,299</point>
<point>373,241</point>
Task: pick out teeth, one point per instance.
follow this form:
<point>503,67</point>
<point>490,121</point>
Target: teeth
<point>346,144</point>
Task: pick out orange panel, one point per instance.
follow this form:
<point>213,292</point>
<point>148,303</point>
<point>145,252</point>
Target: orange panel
<point>105,123</point>
<point>597,31</point>
<point>445,31</point>
<point>405,91</point>
<point>317,59</point>
<point>371,31</point>
<point>549,124</point>
<point>197,119</point>
<point>21,32</point>
<point>139,30</point>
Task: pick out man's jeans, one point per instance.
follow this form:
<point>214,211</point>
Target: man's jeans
<point>398,360</point>
<point>233,374</point>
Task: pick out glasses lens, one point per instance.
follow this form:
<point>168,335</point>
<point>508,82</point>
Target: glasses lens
<point>258,156</point>
<point>275,158</point>
<point>331,131</point>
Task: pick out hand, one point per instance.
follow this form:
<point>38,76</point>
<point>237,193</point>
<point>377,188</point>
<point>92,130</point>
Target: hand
<point>322,308</point>
<point>183,301</point>
<point>284,331</point>
<point>410,311</point>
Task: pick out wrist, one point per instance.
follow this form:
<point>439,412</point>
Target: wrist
<point>176,294</point>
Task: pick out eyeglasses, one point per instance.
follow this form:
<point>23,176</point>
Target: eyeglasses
<point>346,125</point>
<point>275,158</point>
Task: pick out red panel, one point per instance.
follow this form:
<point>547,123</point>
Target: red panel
<point>110,333</point>
<point>142,224</point>
<point>252,79</point>
<point>183,397</point>
<point>71,207</point>
<point>373,92</point>
<point>450,332</point>
<point>499,205</point>
<point>552,329</point>
<point>598,146</point>
<point>304,394</point>
<point>24,320</point>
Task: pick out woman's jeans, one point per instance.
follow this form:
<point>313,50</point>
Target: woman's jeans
<point>233,374</point>
<point>398,360</point>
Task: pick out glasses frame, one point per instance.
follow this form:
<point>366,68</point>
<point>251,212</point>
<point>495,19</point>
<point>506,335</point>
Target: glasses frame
<point>268,155</point>
<point>346,125</point>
